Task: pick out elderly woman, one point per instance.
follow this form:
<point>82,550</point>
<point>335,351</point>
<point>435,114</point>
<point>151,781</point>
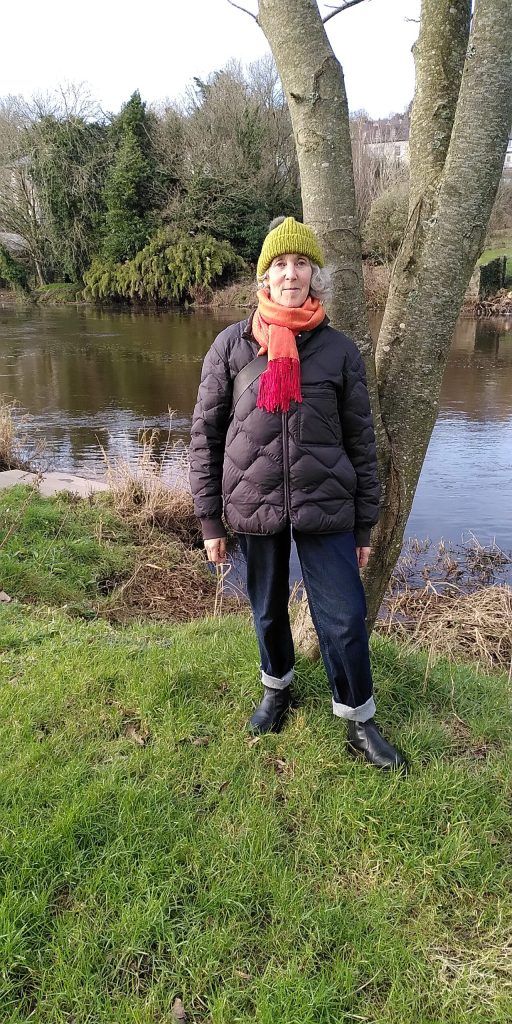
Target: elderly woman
<point>283,443</point>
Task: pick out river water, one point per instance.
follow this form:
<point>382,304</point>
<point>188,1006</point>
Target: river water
<point>92,378</point>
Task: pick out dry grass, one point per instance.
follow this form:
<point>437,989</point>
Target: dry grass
<point>473,627</point>
<point>451,604</point>
<point>482,969</point>
<point>443,599</point>
<point>170,581</point>
<point>11,456</point>
<point>376,284</point>
<point>152,489</point>
<point>240,293</point>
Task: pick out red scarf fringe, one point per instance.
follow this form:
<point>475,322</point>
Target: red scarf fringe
<point>279,385</point>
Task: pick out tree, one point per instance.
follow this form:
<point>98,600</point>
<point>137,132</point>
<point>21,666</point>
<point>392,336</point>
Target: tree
<point>241,168</point>
<point>132,189</point>
<point>51,168</point>
<point>374,172</point>
<point>68,170</point>
<point>19,211</point>
<point>460,122</point>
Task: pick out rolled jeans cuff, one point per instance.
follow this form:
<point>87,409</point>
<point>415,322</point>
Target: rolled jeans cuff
<point>276,683</point>
<point>360,714</point>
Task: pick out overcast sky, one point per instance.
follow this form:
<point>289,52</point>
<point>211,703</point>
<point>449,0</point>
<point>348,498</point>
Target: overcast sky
<point>158,47</point>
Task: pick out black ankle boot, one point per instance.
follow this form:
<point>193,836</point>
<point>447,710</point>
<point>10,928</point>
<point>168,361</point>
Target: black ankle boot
<point>269,715</point>
<point>365,739</point>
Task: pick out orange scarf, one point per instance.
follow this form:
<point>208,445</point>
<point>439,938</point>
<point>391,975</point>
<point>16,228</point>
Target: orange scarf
<point>275,328</point>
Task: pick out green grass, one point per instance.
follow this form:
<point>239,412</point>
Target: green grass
<point>149,849</point>
<point>494,253</point>
<point>60,550</point>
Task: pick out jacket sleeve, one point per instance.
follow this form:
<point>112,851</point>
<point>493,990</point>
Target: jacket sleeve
<point>209,426</point>
<point>359,442</point>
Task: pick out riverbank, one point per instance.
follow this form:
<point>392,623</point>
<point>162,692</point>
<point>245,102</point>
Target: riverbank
<point>144,558</point>
<point>107,556</point>
<point>241,294</point>
<point>153,851</point>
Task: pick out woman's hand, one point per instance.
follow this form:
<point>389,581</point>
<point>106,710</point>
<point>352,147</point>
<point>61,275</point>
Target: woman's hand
<point>216,550</point>
<point>363,555</point>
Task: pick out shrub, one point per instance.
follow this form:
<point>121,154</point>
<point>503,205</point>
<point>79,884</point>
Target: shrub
<point>12,271</point>
<point>386,223</point>
<point>168,269</point>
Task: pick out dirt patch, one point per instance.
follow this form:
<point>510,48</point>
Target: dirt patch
<point>168,583</point>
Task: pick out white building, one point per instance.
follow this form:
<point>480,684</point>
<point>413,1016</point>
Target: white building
<point>398,152</point>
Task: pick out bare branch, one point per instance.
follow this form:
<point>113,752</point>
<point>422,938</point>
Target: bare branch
<point>250,13</point>
<point>339,8</point>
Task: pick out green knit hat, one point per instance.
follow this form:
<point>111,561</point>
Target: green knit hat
<point>288,235</point>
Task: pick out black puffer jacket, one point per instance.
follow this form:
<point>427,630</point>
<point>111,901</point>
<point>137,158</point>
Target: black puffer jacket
<point>314,467</point>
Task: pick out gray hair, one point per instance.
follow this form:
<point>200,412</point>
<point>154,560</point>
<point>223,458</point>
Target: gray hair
<point>321,282</point>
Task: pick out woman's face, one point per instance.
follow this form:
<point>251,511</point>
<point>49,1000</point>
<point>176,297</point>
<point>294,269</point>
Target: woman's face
<point>289,278</point>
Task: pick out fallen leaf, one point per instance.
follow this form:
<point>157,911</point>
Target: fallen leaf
<point>199,741</point>
<point>243,974</point>
<point>5,597</point>
<point>140,738</point>
<point>256,739</point>
<point>223,786</point>
<point>178,1010</point>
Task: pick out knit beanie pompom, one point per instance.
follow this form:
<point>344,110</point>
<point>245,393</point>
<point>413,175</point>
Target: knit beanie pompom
<point>285,234</point>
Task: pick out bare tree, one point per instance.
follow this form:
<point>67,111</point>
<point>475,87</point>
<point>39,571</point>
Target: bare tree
<point>461,118</point>
<point>21,137</point>
<point>19,213</point>
<point>374,170</point>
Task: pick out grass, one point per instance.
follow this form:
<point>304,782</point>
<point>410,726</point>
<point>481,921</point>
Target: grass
<point>494,253</point>
<point>149,849</point>
<point>86,555</point>
<point>58,549</point>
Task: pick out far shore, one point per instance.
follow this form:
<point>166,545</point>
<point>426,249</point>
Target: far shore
<point>242,295</point>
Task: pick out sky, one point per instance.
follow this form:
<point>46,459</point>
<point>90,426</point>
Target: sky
<point>158,47</point>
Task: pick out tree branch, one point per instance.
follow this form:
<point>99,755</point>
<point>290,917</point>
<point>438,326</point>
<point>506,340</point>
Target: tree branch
<point>341,7</point>
<point>250,13</point>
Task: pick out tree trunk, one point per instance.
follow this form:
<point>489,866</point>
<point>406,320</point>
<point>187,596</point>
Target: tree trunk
<point>461,118</point>
<point>313,82</point>
<point>450,209</point>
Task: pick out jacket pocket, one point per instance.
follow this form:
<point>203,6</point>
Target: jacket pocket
<point>319,422</point>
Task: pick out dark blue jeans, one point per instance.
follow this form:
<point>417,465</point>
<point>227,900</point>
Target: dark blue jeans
<point>338,609</point>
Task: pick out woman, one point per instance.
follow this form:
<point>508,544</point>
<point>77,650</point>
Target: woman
<point>283,443</point>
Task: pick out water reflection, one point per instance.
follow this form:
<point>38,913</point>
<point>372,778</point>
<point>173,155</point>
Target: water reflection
<point>92,377</point>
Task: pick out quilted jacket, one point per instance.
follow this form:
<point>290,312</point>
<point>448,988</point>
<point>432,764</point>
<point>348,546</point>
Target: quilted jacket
<point>314,467</point>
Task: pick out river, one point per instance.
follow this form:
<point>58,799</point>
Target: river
<point>92,378</point>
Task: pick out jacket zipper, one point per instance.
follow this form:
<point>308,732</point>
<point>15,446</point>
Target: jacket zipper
<point>286,466</point>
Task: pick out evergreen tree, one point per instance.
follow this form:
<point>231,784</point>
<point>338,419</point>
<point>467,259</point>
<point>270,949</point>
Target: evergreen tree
<point>133,184</point>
